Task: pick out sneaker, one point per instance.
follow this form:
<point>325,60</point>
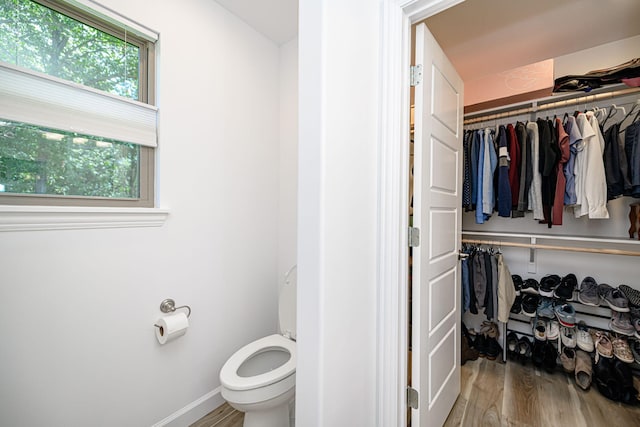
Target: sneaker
<point>517,283</point>
<point>550,357</point>
<point>530,286</point>
<point>548,284</point>
<point>603,290</point>
<point>568,337</point>
<point>516,308</point>
<point>616,300</point>
<point>584,370</point>
<point>621,350</point>
<point>635,350</point>
<point>636,325</point>
<point>553,330</point>
<point>621,323</point>
<point>566,315</point>
<point>633,295</point>
<point>537,354</point>
<point>540,330</point>
<point>529,305</point>
<point>603,345</point>
<point>588,294</point>
<point>545,308</point>
<point>524,349</point>
<point>583,338</point>
<point>568,360</point>
<point>512,344</point>
<point>565,289</point>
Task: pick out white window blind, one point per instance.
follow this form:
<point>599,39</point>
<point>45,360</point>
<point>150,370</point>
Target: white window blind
<point>35,98</point>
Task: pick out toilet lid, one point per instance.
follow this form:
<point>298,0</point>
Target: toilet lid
<point>287,305</point>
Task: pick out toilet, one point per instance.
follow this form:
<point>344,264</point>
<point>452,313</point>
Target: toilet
<point>260,378</point>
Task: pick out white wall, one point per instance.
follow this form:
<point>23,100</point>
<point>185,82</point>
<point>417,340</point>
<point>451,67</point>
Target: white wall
<point>78,307</point>
<point>337,212</point>
<point>288,162</point>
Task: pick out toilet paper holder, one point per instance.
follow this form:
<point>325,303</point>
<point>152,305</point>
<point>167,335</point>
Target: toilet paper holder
<point>169,306</point>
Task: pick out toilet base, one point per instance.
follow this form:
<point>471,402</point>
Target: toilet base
<point>274,417</point>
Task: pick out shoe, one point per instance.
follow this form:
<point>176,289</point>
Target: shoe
<point>537,354</point>
<point>489,329</point>
<point>621,323</point>
<point>550,357</point>
<point>621,350</point>
<point>568,337</point>
<point>616,300</point>
<point>633,295</point>
<point>512,344</point>
<point>603,290</point>
<point>635,321</point>
<point>548,284</point>
<point>583,338</point>
<point>545,308</point>
<point>603,345</point>
<point>624,378</point>
<point>493,349</point>
<point>553,330</point>
<point>568,360</point>
<point>566,287</point>
<point>635,350</point>
<point>584,370</point>
<point>566,315</point>
<point>524,350</point>
<point>540,330</point>
<point>516,308</point>
<point>606,383</point>
<point>529,305</point>
<point>517,283</point>
<point>530,286</point>
<point>588,292</point>
<point>481,345</point>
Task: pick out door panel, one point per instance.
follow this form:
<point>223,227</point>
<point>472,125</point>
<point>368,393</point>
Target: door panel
<point>437,213</point>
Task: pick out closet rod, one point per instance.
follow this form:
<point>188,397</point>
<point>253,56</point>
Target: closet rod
<point>552,247</point>
<point>534,106</point>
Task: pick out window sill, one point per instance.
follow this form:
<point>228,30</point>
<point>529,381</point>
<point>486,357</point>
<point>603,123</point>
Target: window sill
<point>33,218</point>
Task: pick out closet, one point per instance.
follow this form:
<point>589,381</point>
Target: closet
<point>606,249</point>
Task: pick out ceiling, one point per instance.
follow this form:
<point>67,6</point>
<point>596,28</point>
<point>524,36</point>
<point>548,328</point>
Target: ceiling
<point>276,19</point>
<point>483,37</point>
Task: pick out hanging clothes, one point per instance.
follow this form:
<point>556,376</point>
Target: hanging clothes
<point>526,174</point>
<point>514,166</point>
<point>632,148</point>
<point>561,181</point>
<point>575,144</point>
<point>596,182</point>
<point>535,192</point>
<point>504,188</point>
<point>548,161</point>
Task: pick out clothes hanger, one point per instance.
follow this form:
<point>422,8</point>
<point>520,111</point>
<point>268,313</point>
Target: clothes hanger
<point>612,112</point>
<point>629,115</point>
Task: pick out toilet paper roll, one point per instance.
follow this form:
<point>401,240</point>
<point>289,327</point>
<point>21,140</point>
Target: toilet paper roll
<point>171,327</point>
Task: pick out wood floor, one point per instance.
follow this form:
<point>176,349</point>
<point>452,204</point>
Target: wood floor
<point>499,394</point>
<point>224,416</point>
<point>505,395</point>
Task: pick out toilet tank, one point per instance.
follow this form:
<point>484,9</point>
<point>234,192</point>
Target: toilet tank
<point>287,304</point>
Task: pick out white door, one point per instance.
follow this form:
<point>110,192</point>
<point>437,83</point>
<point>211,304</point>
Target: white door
<point>437,199</point>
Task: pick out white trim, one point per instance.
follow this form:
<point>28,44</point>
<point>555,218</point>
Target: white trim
<point>393,146</point>
<point>194,410</point>
<point>113,17</point>
<point>36,218</point>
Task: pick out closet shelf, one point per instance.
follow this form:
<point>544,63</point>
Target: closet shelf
<point>497,240</point>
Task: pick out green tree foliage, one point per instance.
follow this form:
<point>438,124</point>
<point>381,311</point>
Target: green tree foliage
<point>41,39</point>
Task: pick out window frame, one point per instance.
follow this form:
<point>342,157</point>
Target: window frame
<point>146,94</point>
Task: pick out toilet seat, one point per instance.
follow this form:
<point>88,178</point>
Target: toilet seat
<point>229,374</point>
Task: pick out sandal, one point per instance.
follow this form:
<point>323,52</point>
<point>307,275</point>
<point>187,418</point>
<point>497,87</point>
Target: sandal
<point>621,350</point>
<point>603,345</point>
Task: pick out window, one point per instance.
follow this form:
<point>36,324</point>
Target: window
<point>77,124</point>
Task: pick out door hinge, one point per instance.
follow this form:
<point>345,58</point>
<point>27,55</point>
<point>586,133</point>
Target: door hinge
<point>414,237</point>
<point>415,74</point>
<point>412,397</point>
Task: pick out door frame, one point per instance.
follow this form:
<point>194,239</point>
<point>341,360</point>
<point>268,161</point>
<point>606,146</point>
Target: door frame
<point>393,187</point>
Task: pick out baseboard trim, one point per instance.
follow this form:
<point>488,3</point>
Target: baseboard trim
<point>193,411</point>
